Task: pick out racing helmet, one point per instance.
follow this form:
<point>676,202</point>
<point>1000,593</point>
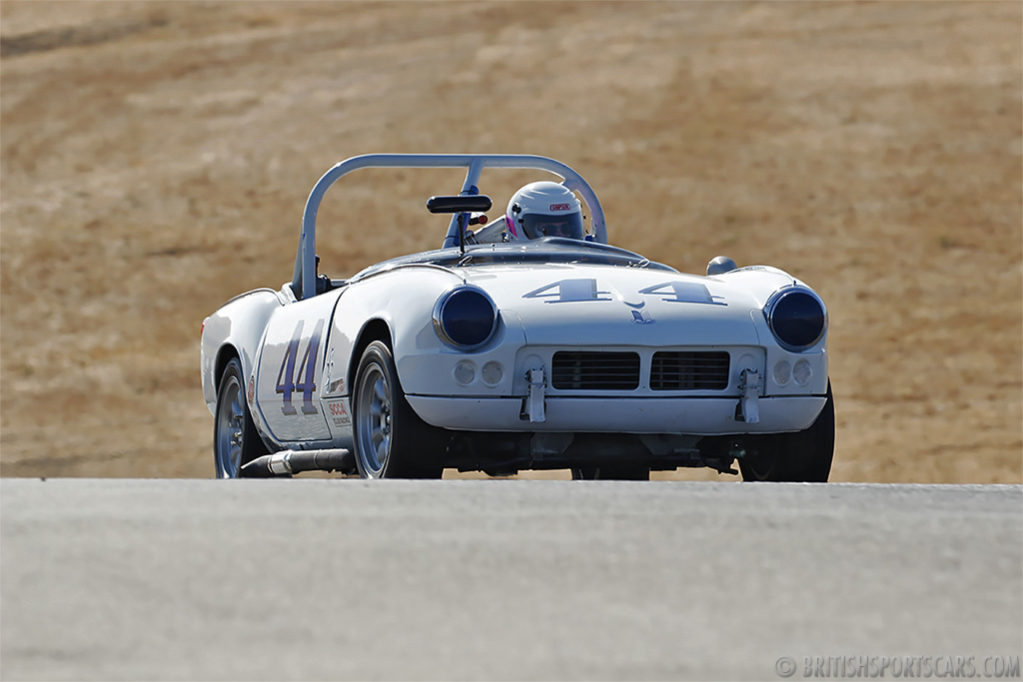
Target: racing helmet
<point>544,209</point>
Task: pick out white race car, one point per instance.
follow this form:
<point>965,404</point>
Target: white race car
<point>498,355</point>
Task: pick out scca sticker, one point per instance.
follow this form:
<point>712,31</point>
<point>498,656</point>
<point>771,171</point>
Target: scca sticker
<point>338,413</point>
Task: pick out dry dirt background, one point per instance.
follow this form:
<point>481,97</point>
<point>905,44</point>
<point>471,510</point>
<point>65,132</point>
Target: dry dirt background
<point>156,158</point>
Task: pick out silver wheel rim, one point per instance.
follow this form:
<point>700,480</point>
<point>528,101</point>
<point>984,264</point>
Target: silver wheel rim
<point>373,420</point>
<point>230,429</point>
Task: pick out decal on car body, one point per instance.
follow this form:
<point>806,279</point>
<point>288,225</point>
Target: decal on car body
<point>641,318</point>
<point>286,377</point>
<point>338,413</point>
<point>576,290</point>
<point>683,292</point>
<point>570,291</point>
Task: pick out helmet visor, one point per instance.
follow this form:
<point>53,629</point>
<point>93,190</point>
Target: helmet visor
<point>536,225</point>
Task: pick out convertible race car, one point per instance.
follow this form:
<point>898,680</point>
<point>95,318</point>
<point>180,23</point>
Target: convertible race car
<point>510,349</point>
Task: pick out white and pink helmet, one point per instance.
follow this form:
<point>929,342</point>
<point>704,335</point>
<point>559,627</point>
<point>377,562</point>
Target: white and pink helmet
<point>544,209</point>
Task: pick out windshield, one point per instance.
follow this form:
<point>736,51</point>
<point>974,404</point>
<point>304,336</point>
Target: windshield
<point>540,251</point>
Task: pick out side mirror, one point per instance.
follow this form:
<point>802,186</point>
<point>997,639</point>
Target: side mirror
<point>473,203</point>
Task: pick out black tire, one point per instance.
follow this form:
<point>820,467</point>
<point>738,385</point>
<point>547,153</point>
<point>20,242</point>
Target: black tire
<point>620,472</point>
<point>799,457</point>
<point>390,439</point>
<point>235,439</point>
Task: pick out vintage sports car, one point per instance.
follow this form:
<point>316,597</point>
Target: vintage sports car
<point>499,354</point>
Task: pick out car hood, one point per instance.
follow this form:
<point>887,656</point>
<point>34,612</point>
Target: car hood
<point>603,305</point>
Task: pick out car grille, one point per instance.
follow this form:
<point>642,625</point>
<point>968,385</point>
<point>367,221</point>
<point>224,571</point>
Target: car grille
<point>686,371</point>
<point>596,371</point>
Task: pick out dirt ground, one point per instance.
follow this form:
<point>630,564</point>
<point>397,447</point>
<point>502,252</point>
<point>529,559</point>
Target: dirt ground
<point>156,158</point>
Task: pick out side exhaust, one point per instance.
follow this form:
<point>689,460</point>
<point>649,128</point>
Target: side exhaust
<point>287,462</point>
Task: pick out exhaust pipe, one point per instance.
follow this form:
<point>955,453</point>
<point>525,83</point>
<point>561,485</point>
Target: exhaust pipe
<point>287,462</point>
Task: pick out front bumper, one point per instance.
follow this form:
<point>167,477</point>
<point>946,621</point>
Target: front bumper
<point>686,415</point>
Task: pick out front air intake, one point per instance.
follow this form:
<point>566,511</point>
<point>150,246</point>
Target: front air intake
<point>689,371</point>
<point>595,371</point>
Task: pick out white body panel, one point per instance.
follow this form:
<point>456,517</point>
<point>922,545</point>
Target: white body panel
<point>534,325</point>
<point>236,328</point>
<point>289,379</point>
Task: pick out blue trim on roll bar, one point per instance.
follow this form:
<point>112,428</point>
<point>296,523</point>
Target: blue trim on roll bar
<point>304,277</point>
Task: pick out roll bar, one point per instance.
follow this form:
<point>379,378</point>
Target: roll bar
<point>304,278</point>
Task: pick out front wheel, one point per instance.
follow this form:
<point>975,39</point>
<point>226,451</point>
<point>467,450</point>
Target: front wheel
<point>390,439</point>
<point>804,456</point>
<point>611,473</point>
<point>235,440</point>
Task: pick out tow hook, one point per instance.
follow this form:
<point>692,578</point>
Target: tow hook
<point>535,408</point>
<point>748,410</point>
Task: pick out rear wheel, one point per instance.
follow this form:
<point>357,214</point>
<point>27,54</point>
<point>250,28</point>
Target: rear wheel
<point>235,440</point>
<point>803,456</point>
<point>390,439</point>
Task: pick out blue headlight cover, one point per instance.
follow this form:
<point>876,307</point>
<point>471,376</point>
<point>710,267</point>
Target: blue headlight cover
<point>465,317</point>
<point>797,318</point>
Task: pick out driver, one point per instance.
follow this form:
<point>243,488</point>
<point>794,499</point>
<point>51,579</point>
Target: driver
<point>544,209</point>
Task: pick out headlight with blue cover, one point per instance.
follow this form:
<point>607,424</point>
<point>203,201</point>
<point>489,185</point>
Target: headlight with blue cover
<point>797,318</point>
<point>465,318</point>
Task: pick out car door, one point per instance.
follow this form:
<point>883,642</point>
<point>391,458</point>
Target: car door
<point>289,379</point>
